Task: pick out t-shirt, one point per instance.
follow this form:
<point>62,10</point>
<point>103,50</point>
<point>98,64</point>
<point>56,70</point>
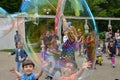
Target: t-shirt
<point>65,38</point>
<point>71,77</point>
<point>17,37</point>
<point>112,49</point>
<point>28,77</point>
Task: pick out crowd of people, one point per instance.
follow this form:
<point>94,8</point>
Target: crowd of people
<point>110,47</point>
<point>52,51</point>
<point>56,55</point>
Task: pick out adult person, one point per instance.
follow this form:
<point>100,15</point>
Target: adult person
<point>117,34</point>
<point>109,35</point>
<point>17,38</point>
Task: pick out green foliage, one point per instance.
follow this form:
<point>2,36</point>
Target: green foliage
<point>11,6</point>
<point>99,8</point>
<point>68,10</point>
<point>6,50</point>
<point>105,8</point>
<point>102,13</point>
<point>102,35</point>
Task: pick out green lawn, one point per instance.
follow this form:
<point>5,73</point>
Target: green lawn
<point>6,50</point>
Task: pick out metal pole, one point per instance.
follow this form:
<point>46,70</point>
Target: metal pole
<point>52,16</point>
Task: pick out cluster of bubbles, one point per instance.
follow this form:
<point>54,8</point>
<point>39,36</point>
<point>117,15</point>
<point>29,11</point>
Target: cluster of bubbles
<point>31,9</point>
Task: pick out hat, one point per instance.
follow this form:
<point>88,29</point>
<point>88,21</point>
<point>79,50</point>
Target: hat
<point>69,24</point>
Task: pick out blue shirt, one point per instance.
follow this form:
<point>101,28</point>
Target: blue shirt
<point>28,77</point>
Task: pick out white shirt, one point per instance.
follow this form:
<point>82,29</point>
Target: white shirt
<point>65,38</point>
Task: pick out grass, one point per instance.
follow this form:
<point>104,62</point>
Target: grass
<point>6,50</point>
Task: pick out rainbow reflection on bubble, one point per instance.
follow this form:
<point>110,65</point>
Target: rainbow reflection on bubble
<point>6,23</point>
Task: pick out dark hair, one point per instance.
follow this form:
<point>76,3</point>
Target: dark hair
<point>27,62</point>
<point>17,31</point>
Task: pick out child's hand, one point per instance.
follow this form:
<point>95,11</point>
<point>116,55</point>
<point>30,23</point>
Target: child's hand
<point>43,63</point>
<point>86,64</point>
<point>62,15</point>
<point>42,46</point>
<point>21,59</point>
<point>12,70</point>
<point>9,54</point>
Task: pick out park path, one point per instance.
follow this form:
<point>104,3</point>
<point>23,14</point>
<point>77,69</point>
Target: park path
<point>104,72</point>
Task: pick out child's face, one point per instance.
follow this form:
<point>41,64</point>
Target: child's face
<point>69,68</point>
<point>111,43</point>
<point>19,45</point>
<point>28,69</point>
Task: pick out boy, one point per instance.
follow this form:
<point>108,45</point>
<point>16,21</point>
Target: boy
<point>28,67</point>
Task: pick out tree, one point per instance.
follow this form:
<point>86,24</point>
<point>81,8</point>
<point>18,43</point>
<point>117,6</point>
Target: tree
<point>105,8</point>
<point>11,6</point>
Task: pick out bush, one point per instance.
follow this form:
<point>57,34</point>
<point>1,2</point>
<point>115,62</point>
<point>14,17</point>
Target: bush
<point>102,36</point>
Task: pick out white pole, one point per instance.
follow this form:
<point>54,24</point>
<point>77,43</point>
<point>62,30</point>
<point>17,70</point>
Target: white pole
<point>60,21</point>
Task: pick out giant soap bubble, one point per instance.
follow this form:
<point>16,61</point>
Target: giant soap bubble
<point>80,42</point>
<point>6,23</point>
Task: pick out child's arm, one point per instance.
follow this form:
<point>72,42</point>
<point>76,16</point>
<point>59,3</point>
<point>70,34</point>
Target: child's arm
<point>108,51</point>
<point>12,53</point>
<point>117,51</point>
<point>65,24</point>
<point>85,65</point>
<point>39,74</point>
<point>43,64</point>
<point>16,72</point>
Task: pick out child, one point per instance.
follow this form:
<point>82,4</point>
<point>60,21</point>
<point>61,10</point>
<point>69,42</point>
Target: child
<point>112,50</point>
<point>99,56</point>
<point>21,55</point>
<point>70,72</point>
<point>50,59</point>
<point>28,67</point>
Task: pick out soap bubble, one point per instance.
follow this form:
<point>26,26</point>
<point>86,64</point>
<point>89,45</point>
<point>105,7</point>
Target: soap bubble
<point>6,23</point>
<point>83,27</point>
